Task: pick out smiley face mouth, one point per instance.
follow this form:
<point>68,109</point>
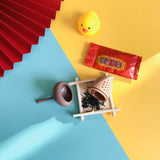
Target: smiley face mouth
<point>84,30</point>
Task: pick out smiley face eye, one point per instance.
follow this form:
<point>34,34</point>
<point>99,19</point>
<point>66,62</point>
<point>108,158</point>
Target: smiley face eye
<point>81,25</point>
<point>89,27</point>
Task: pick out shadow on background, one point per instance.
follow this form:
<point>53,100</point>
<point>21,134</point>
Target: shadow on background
<point>32,139</point>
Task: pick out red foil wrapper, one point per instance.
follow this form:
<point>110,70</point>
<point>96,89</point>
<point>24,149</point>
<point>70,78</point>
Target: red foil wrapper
<point>113,61</point>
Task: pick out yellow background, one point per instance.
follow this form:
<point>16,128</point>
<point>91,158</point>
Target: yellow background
<point>132,26</point>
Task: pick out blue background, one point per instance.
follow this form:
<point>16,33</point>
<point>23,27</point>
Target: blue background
<point>47,131</point>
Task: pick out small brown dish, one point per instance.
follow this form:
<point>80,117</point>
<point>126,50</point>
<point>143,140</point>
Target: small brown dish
<point>62,93</point>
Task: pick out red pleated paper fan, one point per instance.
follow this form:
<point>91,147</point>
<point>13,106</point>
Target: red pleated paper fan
<point>21,24</point>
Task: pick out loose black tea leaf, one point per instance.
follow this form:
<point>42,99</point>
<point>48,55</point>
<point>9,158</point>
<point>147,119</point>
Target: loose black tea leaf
<point>89,101</point>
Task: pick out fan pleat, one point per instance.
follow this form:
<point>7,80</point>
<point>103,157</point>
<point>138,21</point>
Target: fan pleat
<point>21,24</point>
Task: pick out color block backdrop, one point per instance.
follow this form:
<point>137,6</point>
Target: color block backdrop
<point>130,26</point>
<point>42,131</point>
<point>47,130</point>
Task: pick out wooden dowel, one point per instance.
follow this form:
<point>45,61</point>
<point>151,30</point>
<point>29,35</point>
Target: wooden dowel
<point>85,81</point>
<point>112,105</point>
<point>79,98</point>
<point>96,112</point>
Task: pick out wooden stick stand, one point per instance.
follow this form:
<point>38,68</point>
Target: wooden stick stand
<point>81,110</point>
<point>79,98</point>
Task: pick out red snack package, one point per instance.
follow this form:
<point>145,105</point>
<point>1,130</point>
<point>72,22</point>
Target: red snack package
<point>113,61</point>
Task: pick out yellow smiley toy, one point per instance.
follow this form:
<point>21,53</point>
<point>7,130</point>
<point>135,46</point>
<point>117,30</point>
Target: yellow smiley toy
<point>89,23</point>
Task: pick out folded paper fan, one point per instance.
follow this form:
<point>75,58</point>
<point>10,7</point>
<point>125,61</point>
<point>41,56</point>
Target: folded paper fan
<point>22,22</point>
